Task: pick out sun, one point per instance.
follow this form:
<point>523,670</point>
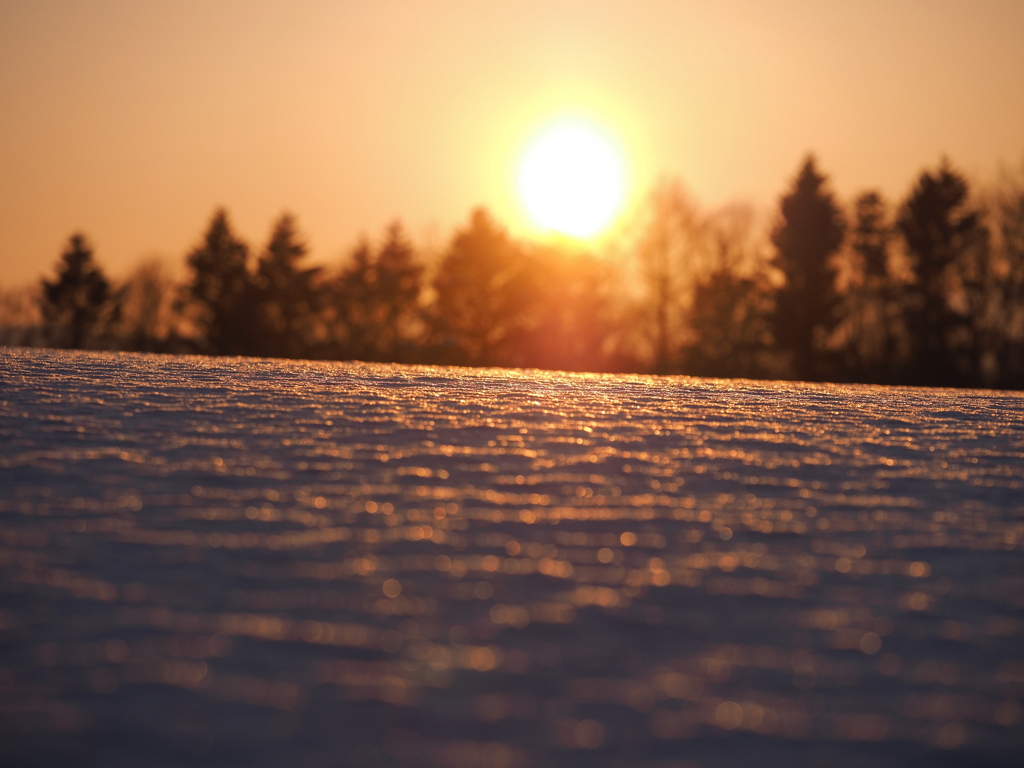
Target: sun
<point>572,178</point>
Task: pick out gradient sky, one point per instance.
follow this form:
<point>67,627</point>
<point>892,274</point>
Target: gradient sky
<point>131,120</point>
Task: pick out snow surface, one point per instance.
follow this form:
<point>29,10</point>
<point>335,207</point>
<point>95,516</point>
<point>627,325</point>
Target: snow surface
<point>267,563</point>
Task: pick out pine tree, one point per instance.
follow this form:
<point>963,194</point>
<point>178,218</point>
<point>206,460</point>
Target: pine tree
<point>808,234</point>
<point>872,302</point>
<point>484,296</point>
<point>80,304</point>
<point>355,307</point>
<point>222,291</point>
<point>377,301</point>
<point>944,238</point>
<point>287,293</point>
<point>399,282</point>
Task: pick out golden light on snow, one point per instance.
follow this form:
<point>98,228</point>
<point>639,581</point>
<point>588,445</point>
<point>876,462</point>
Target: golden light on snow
<point>382,545</point>
<point>572,177</point>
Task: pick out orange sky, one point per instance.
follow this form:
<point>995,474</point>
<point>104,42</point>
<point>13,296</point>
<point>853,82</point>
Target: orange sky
<point>132,121</point>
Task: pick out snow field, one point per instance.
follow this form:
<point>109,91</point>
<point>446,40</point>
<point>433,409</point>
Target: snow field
<point>254,562</point>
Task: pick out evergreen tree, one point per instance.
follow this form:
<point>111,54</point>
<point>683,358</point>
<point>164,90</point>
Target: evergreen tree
<point>871,235</point>
<point>942,234</point>
<point>288,294</point>
<point>80,304</point>
<point>807,236</point>
<point>399,283</point>
<point>377,301</point>
<point>872,302</point>
<point>484,296</point>
<point>355,306</point>
<point>222,291</point>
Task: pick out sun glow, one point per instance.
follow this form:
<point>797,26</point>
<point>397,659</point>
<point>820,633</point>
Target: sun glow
<point>572,178</point>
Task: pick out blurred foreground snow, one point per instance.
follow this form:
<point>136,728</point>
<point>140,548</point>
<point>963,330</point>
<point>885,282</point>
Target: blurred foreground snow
<point>268,563</point>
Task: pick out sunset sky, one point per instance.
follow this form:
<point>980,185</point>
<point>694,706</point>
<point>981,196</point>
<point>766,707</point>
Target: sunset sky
<point>131,120</point>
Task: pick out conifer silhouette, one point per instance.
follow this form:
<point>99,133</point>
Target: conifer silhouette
<point>221,290</point>
<point>80,304</point>
<point>809,232</point>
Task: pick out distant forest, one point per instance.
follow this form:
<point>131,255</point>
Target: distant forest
<point>927,291</point>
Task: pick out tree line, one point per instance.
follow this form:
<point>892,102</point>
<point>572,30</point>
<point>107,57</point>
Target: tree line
<point>929,291</point>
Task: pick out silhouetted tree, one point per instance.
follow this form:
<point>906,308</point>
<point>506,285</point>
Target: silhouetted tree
<point>671,243</point>
<point>80,304</point>
<point>942,234</point>
<point>484,296</point>
<point>377,301</point>
<point>808,234</point>
<point>729,319</point>
<point>146,320</point>
<point>354,304</point>
<point>20,316</point>
<point>932,295</point>
<point>1006,209</point>
<point>288,294</point>
<point>872,337</point>
<point>730,312</point>
<point>221,290</point>
<point>399,283</point>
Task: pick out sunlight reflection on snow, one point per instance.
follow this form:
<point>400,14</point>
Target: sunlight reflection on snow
<point>502,565</point>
